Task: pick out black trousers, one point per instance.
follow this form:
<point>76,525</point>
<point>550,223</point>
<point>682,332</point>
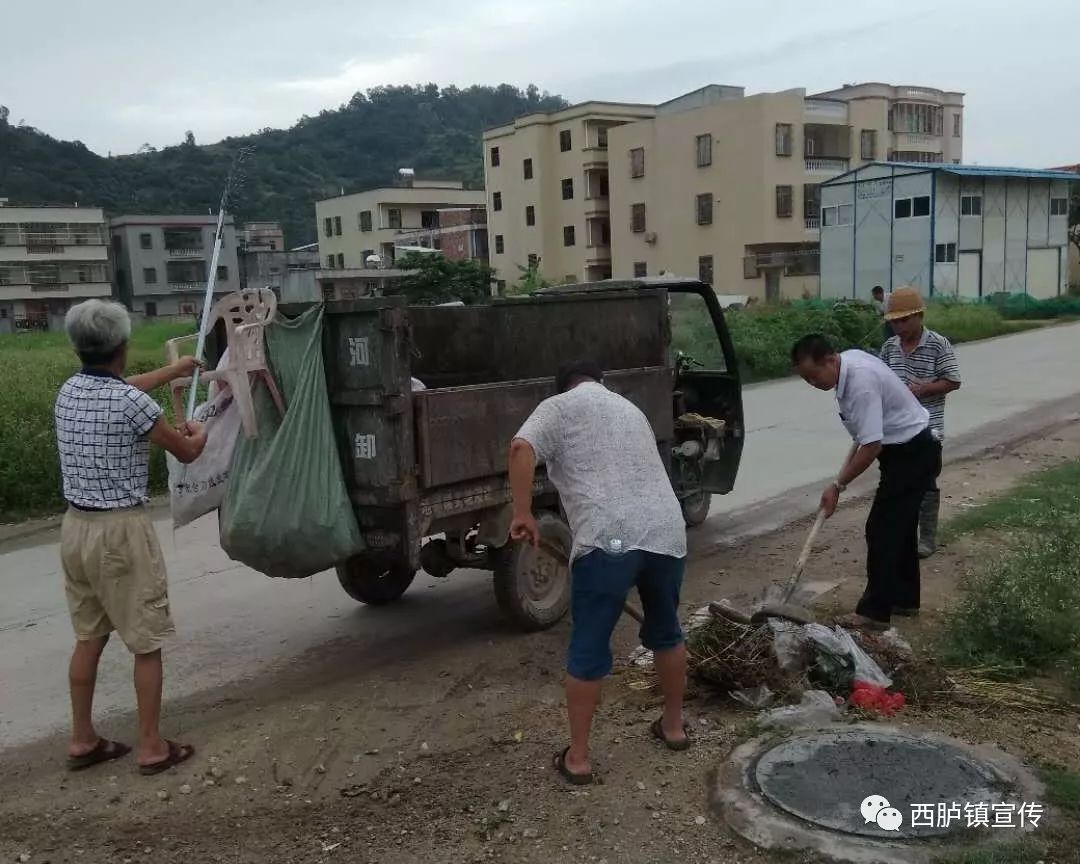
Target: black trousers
<point>908,471</point>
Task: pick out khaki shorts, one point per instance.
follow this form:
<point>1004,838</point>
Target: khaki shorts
<point>114,577</point>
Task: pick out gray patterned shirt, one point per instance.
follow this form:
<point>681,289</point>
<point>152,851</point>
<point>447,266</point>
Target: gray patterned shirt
<point>601,454</point>
<point>932,358</point>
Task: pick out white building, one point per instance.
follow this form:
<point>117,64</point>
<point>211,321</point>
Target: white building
<point>50,258</point>
<point>950,230</point>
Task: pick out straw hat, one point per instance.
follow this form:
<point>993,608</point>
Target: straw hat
<point>904,302</point>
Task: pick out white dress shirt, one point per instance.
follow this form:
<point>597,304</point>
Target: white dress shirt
<point>875,405</point>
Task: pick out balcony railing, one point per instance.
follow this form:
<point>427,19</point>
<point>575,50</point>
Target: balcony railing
<point>796,262</point>
<point>186,286</point>
<point>12,234</point>
<point>813,223</point>
<point>826,165</point>
<point>185,251</point>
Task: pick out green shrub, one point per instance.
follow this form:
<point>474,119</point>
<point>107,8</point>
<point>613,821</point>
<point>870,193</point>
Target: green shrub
<point>1025,307</point>
<point>32,368</point>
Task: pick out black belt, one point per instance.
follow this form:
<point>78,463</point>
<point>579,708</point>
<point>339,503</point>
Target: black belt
<point>83,508</point>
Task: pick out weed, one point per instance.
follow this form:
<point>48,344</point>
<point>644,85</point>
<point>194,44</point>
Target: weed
<point>1012,853</point>
<point>1062,788</point>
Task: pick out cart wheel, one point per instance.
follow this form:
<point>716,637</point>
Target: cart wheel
<point>695,509</point>
<point>532,586</point>
<point>373,582</point>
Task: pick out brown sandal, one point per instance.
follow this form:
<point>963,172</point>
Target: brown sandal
<point>576,779</point>
<point>104,751</point>
<point>657,730</point>
<point>177,753</point>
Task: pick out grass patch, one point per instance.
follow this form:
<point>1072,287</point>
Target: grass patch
<point>1036,505</point>
<point>32,368</point>
<point>1062,788</point>
<point>1022,610</point>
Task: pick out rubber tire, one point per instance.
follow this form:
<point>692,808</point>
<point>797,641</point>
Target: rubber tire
<point>374,584</point>
<point>695,509</point>
<point>511,587</point>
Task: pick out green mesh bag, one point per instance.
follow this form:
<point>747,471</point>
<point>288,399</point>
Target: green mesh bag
<point>286,512</point>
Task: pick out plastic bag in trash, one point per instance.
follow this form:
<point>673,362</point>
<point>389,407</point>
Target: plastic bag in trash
<point>790,645</point>
<point>816,707</point>
<point>839,642</point>
<point>699,619</point>
<point>641,657</point>
<point>754,697</point>
<point>286,510</point>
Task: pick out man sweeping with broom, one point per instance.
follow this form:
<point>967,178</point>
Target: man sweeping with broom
<point>628,528</point>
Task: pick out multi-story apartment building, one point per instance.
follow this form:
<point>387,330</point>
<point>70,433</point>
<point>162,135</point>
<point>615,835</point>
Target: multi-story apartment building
<point>546,176</point>
<point>725,186</point>
<point>162,262</point>
<point>352,228</point>
<point>461,236</point>
<point>50,258</point>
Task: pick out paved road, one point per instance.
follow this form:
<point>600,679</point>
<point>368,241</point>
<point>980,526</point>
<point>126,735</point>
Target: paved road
<point>236,624</point>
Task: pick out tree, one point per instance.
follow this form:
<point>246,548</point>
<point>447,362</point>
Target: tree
<point>189,138</point>
<point>4,114</point>
<point>531,281</point>
<point>439,280</point>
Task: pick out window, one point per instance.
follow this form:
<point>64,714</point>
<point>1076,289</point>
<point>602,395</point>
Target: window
<point>783,202</point>
<point>641,269</point>
<point>945,253</point>
<point>328,226</point>
<point>340,261</point>
<point>904,208</point>
<point>564,140</point>
<point>500,286</point>
<point>601,137</point>
<point>337,225</point>
<point>955,161</point>
<point>117,244</point>
<point>367,253</point>
<point>971,205</point>
<point>365,220</point>
<point>149,275</point>
<point>637,218</point>
<point>222,273</point>
<point>568,238</point>
<point>526,168</point>
<point>393,216</point>
<point>496,201</point>
<point>637,162</point>
<point>868,144</point>
<point>494,157</point>
<point>150,309</point>
<point>955,125</point>
<point>187,308</point>
<point>1059,206</point>
<point>704,208</point>
<point>530,215</point>
<point>499,247</point>
<point>783,139</point>
<point>567,188</point>
<point>330,261</point>
<point>705,269</point>
<point>534,260</point>
<point>811,196</point>
<point>840,214</point>
<point>704,151</point>
<point>146,241</point>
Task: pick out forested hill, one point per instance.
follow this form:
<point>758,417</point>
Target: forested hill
<point>435,131</point>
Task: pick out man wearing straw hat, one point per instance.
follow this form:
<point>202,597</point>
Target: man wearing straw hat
<point>926,362</point>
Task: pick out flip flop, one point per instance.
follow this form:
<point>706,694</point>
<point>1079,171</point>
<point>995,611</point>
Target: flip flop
<point>575,779</point>
<point>104,751</point>
<point>177,753</point>
<point>657,730</point>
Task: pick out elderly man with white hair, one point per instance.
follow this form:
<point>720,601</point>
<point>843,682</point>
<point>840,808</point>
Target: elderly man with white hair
<point>114,575</point>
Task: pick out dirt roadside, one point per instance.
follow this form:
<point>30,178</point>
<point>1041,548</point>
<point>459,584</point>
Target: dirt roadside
<point>446,757</point>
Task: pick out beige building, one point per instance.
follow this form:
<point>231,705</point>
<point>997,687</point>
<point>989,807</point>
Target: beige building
<point>714,183</point>
<point>352,228</point>
<point>50,258</point>
<point>546,176</point>
<point>726,186</point>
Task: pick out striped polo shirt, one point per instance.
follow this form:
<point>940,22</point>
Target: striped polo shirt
<point>932,359</point>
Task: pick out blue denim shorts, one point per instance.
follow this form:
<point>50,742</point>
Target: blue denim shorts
<point>599,588</point>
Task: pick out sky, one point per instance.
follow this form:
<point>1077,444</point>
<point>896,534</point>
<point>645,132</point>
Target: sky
<point>116,74</point>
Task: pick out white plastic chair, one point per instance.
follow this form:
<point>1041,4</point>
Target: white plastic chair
<point>246,314</point>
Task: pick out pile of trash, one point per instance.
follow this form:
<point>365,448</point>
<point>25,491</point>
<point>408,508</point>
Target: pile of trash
<point>826,669</point>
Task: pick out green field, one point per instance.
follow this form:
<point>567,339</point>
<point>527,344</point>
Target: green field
<point>32,368</point>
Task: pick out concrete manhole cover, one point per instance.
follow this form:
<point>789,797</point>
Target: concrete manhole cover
<point>824,776</point>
